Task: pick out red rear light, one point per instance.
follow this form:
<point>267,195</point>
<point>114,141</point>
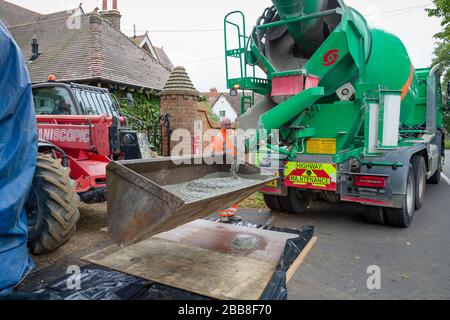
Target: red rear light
<point>370,181</point>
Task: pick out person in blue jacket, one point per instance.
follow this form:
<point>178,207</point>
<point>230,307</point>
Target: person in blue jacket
<point>18,153</point>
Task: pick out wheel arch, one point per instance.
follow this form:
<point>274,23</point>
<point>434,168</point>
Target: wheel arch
<point>423,153</point>
<point>45,146</point>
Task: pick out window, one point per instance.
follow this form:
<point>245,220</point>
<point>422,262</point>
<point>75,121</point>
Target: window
<point>96,102</point>
<point>53,101</point>
<point>222,114</point>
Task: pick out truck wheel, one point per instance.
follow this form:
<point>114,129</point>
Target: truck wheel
<point>420,176</point>
<point>297,201</point>
<point>374,215</point>
<point>436,177</point>
<point>51,207</point>
<point>403,217</point>
<point>272,202</point>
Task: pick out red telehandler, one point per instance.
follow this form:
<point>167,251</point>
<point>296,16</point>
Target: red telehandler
<point>80,131</point>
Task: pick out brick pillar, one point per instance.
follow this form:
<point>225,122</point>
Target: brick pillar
<point>179,99</point>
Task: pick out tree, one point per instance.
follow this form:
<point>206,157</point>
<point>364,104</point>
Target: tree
<point>442,51</point>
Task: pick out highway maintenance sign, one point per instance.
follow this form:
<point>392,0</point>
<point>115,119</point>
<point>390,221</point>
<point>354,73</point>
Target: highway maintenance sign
<point>317,176</point>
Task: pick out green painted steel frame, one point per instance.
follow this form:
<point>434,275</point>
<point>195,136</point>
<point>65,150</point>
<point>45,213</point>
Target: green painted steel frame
<point>245,81</point>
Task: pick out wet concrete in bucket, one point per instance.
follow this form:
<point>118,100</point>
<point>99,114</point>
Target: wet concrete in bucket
<point>209,186</point>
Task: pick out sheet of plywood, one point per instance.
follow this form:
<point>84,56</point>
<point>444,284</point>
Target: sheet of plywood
<point>199,257</point>
<point>201,271</point>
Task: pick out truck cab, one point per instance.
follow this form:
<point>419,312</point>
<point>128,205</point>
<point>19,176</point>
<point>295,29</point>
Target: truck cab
<point>73,99</point>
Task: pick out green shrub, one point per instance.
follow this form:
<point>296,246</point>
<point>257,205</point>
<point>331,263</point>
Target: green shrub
<point>144,115</point>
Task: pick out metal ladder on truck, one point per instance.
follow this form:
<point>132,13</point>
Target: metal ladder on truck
<point>247,80</point>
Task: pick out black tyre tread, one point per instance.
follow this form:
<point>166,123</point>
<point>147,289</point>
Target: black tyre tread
<point>396,218</point>
<point>288,203</point>
<point>418,163</point>
<point>60,207</point>
<point>399,217</point>
<point>285,205</point>
<point>272,202</point>
<point>375,215</point>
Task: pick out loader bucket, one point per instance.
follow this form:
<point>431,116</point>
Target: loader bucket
<point>147,197</point>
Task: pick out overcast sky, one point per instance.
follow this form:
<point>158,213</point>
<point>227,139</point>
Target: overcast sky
<point>201,52</point>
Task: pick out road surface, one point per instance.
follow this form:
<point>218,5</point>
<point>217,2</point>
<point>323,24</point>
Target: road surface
<point>414,263</point>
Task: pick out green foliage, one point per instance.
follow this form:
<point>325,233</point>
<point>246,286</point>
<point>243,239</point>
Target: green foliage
<point>442,11</point>
<point>144,115</point>
<point>212,115</point>
<point>447,122</point>
<point>442,50</point>
<point>255,201</point>
<point>447,144</point>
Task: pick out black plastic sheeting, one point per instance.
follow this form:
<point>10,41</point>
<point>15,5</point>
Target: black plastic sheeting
<point>277,288</point>
<point>99,283</point>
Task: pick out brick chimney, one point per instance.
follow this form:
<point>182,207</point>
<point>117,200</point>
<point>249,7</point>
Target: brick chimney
<point>113,16</point>
<point>213,95</point>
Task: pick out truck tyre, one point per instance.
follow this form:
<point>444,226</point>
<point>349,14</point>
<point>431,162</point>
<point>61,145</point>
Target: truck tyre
<point>436,177</point>
<point>375,215</point>
<point>420,176</point>
<point>51,207</point>
<point>272,202</point>
<point>403,217</point>
<point>297,201</point>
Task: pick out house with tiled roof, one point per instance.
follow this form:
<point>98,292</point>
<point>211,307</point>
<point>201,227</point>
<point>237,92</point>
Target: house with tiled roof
<point>86,48</point>
<point>224,105</point>
<point>144,42</point>
<point>13,15</point>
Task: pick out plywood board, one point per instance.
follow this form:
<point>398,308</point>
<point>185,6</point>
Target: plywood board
<point>204,272</point>
<point>199,257</point>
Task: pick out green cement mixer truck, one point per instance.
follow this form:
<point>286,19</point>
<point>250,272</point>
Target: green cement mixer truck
<point>357,122</point>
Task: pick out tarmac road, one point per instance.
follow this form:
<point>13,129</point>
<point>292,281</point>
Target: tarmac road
<point>414,262</point>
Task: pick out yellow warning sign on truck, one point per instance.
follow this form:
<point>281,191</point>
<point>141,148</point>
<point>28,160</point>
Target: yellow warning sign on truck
<point>321,146</point>
<point>319,176</point>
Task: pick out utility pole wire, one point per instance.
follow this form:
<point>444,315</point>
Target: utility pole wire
<point>402,9</point>
<point>404,12</point>
<point>389,14</point>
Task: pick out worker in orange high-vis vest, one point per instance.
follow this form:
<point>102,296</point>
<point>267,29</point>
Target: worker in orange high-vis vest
<point>223,143</point>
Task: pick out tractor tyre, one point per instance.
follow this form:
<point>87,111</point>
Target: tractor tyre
<point>51,207</point>
<point>375,215</point>
<point>272,202</point>
<point>297,201</point>
<point>420,176</point>
<point>403,217</point>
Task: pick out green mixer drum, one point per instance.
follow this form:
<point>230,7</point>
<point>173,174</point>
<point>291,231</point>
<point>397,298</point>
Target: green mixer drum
<point>390,66</point>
